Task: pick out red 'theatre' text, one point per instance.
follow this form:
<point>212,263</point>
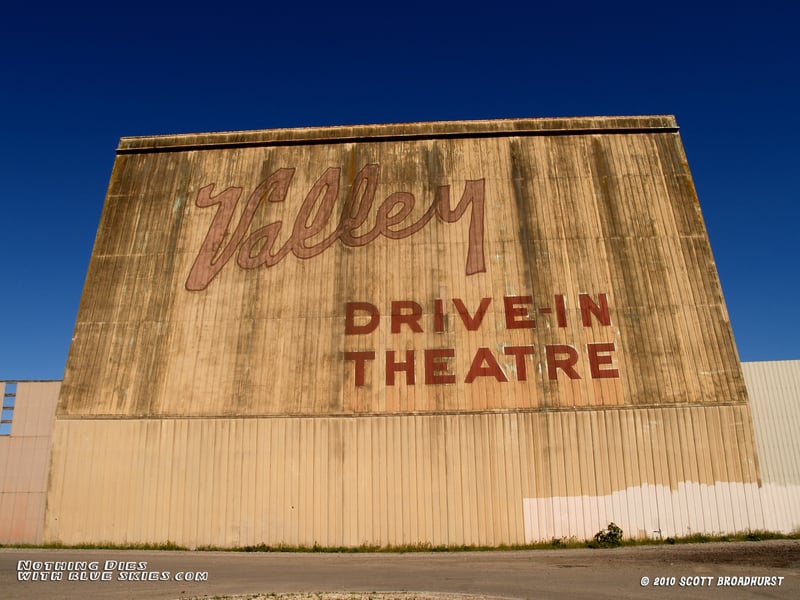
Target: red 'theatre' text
<point>255,249</point>
<point>518,312</point>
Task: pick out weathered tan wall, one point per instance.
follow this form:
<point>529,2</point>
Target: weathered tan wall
<point>590,228</point>
<point>606,213</point>
<point>25,462</point>
<point>481,479</point>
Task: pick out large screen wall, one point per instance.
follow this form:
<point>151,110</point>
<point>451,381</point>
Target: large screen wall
<point>467,280</point>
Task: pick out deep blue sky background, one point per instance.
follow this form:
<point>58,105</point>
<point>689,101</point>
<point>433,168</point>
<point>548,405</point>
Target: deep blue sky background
<point>73,81</point>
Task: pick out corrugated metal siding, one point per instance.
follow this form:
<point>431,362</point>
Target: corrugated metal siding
<point>25,462</point>
<point>774,389</point>
<point>450,479</point>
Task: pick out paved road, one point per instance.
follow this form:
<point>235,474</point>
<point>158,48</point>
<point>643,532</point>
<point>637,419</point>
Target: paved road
<point>557,574</point>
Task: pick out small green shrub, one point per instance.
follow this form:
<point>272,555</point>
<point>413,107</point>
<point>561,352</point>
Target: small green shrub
<point>609,537</point>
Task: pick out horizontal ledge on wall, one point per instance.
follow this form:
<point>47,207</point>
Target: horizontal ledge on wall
<point>398,132</point>
<point>565,409</point>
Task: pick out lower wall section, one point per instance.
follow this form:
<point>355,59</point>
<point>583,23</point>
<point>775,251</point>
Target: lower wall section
<point>21,517</point>
<point>25,460</point>
<point>654,511</point>
<point>781,507</point>
<point>774,389</point>
<point>482,479</point>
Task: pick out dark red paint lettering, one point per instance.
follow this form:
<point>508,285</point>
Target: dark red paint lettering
<point>316,211</point>
<point>561,310</point>
<point>472,323</point>
<point>517,316</point>
<point>360,359</point>
<point>519,353</point>
<point>589,308</point>
<point>350,325</point>
<point>491,368</point>
<point>436,366</point>
<point>598,356</point>
<point>393,367</point>
<point>409,318</point>
<point>565,363</point>
<point>438,316</point>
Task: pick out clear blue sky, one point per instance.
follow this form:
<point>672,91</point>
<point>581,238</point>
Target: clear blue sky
<point>73,81</point>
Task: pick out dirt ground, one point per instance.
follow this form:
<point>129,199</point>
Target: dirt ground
<point>780,554</point>
<point>733,570</point>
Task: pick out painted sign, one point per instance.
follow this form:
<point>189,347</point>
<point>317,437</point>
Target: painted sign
<point>255,249</point>
<point>356,227</point>
<point>364,318</point>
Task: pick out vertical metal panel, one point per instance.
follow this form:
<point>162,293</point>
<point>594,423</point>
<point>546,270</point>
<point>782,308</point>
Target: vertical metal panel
<point>774,389</point>
<point>25,462</point>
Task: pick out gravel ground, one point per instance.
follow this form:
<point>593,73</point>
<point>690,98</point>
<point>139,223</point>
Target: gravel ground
<point>662,572</point>
<point>781,554</point>
<point>359,596</point>
<point>775,554</point>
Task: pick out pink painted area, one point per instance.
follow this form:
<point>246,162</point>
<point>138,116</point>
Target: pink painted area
<point>25,463</point>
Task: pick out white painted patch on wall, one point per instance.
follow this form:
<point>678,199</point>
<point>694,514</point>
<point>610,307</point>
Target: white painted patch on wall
<point>657,511</point>
<point>781,507</point>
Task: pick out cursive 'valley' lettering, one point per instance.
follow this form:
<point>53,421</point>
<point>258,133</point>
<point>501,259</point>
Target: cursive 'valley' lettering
<point>256,248</point>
